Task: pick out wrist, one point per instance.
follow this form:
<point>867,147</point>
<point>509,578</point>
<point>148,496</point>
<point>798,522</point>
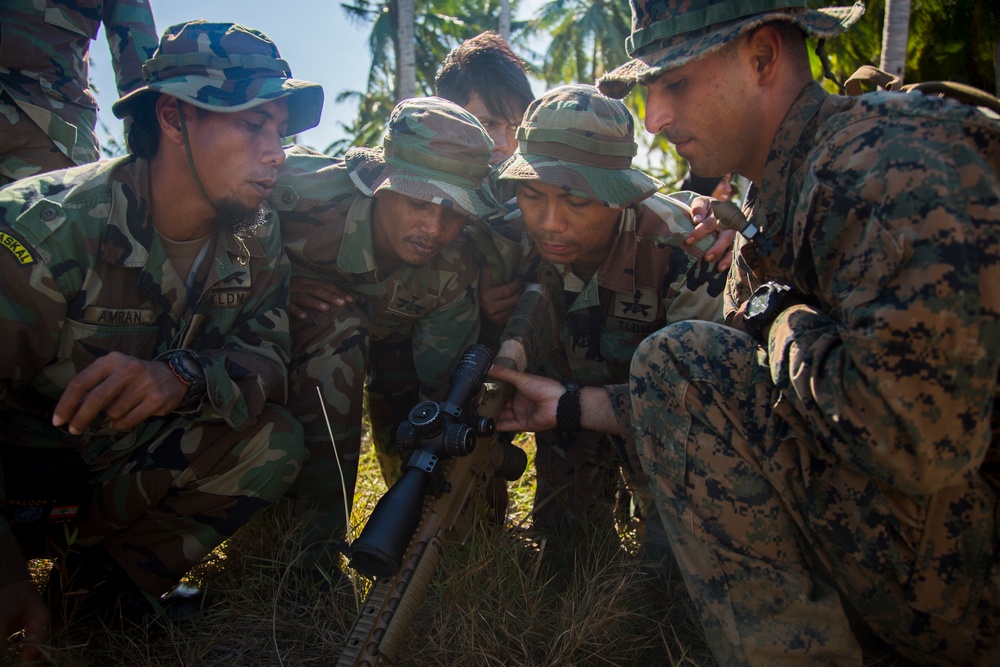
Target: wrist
<point>767,302</point>
<point>187,368</point>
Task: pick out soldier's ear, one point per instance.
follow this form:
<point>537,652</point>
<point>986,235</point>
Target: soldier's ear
<point>168,115</point>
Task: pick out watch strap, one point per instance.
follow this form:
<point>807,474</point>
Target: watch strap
<point>568,412</point>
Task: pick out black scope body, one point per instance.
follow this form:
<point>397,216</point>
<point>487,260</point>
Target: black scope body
<point>432,431</point>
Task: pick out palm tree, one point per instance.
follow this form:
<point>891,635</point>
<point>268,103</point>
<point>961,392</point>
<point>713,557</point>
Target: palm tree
<point>588,38</point>
<point>406,75</point>
<point>407,43</point>
<point>949,40</point>
<point>503,21</point>
<point>895,30</point>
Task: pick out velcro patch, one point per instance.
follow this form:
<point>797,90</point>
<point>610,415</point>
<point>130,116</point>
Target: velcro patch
<point>640,305</point>
<point>23,255</point>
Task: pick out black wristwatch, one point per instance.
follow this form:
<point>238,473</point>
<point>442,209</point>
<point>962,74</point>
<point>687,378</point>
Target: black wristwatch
<point>185,365</point>
<point>767,302</point>
<point>568,410</point>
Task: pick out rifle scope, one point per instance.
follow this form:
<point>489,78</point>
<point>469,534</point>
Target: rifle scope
<point>432,431</point>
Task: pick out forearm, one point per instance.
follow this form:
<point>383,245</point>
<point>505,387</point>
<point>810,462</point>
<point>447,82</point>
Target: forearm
<point>132,39</point>
<point>601,409</point>
<point>907,411</point>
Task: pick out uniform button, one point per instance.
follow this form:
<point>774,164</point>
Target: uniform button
<point>287,198</point>
<point>49,214</point>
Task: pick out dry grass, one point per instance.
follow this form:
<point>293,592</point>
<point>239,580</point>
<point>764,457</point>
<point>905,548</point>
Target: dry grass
<point>498,600</point>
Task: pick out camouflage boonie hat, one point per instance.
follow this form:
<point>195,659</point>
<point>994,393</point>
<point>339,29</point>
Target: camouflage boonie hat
<point>225,67</point>
<point>434,150</point>
<point>670,33</point>
<point>574,138</point>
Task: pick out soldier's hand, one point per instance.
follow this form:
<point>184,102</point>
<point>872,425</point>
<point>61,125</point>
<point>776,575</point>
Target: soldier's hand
<point>497,302</point>
<point>128,390</point>
<point>533,407</point>
<point>309,293</point>
<point>21,607</point>
<point>706,223</point>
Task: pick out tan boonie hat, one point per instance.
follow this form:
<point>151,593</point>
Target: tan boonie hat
<point>575,138</point>
<point>434,150</point>
<point>669,33</point>
<point>225,67</point>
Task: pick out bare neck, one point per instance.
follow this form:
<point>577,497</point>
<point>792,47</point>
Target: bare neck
<point>178,209</point>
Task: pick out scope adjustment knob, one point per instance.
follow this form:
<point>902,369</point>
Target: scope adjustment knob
<point>427,419</point>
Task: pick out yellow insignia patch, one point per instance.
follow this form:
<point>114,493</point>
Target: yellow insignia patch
<point>22,254</point>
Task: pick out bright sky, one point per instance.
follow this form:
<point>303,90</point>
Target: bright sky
<point>313,36</point>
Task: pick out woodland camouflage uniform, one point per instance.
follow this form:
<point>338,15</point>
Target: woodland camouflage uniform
<point>47,111</point>
<point>85,273</point>
<point>433,151</point>
<point>851,459</point>
<point>575,138</point>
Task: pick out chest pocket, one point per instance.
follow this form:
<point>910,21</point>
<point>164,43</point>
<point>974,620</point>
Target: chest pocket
<point>84,342</point>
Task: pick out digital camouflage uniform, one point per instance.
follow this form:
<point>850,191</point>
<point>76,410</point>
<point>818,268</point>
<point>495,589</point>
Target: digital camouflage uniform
<point>423,315</point>
<point>575,138</point>
<point>84,273</point>
<point>850,458</point>
<point>47,112</point>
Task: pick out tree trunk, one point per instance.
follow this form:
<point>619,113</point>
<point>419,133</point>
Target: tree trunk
<point>894,35</point>
<point>503,22</point>
<point>996,68</point>
<point>406,53</point>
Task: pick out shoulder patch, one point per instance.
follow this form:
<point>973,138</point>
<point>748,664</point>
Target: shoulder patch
<point>18,249</point>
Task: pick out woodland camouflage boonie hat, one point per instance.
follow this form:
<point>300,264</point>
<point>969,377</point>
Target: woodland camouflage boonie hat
<point>434,150</point>
<point>670,33</point>
<point>225,67</point>
<point>574,138</point>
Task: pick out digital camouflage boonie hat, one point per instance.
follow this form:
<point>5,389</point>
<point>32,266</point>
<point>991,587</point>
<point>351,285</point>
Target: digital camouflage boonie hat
<point>670,33</point>
<point>225,67</point>
<point>574,138</point>
<point>434,150</point>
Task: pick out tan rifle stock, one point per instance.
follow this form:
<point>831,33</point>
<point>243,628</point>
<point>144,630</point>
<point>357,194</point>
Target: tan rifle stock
<point>391,604</point>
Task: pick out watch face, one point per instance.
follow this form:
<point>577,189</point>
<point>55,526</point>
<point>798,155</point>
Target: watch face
<point>757,304</point>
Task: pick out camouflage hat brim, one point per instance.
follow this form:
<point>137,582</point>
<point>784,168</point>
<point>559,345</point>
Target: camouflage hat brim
<point>305,98</point>
<point>616,188</point>
<point>371,173</point>
<point>681,48</point>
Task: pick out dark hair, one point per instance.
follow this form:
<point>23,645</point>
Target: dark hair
<point>486,65</point>
<point>142,132</point>
<point>142,129</point>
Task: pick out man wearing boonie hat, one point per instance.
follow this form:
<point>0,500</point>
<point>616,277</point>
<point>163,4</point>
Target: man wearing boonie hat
<point>625,270</point>
<point>382,284</point>
<point>837,448</point>
<point>144,311</point>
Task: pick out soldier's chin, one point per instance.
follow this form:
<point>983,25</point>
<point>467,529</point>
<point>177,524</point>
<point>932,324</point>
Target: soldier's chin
<point>232,216</point>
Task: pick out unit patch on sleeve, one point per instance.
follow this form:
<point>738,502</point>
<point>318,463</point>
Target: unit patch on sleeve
<point>18,249</point>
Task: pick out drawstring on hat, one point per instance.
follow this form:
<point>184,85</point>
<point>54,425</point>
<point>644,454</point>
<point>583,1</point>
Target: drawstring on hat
<point>187,149</point>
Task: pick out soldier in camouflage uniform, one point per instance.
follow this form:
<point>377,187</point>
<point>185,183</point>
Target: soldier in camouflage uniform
<point>382,279</point>
<point>47,112</point>
<point>144,306</point>
<point>625,269</point>
<point>837,448</point>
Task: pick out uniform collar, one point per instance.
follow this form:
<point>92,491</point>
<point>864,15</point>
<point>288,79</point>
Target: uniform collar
<point>786,155</point>
<point>357,251</point>
<point>130,232</point>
